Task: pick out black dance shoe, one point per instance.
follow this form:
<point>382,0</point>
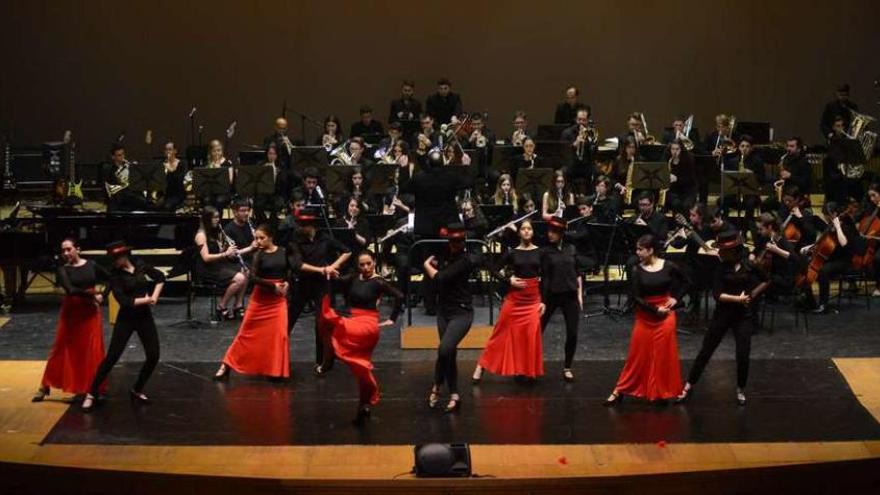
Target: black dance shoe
<point>41,394</point>
<point>615,398</point>
<point>138,397</point>
<point>322,369</point>
<point>685,395</point>
<point>453,405</point>
<point>567,375</point>
<point>741,397</point>
<point>239,313</point>
<point>477,376</point>
<point>89,403</point>
<point>363,415</point>
<point>222,373</point>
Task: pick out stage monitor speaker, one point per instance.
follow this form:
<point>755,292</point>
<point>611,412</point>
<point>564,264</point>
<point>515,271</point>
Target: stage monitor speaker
<point>442,460</point>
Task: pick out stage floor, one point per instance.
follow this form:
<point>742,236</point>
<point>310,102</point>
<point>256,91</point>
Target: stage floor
<point>189,409</point>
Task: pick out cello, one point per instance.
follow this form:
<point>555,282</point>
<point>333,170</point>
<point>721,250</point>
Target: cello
<point>869,228</point>
<point>821,252</point>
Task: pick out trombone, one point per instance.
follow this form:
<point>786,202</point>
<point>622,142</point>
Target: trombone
<point>647,138</point>
<point>682,136</point>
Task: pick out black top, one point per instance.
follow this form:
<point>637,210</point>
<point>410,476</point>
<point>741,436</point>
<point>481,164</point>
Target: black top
<point>442,108</point>
<point>283,154</point>
<point>729,280</point>
<point>523,263</point>
<point>127,287</point>
<point>566,114</point>
<point>320,251</point>
<point>80,280</point>
<point>359,128</point>
<point>805,224</point>
<point>585,163</point>
<point>453,289</point>
<point>240,234</point>
<point>779,266</point>
<point>801,172</point>
<point>404,109</point>
<point>579,235</point>
<point>667,280</point>
<point>271,266</point>
<point>519,162</point>
<point>365,294</point>
<point>558,269</point>
<point>685,173</point>
<point>657,223</point>
<point>753,162</point>
<point>174,182</point>
<point>434,191</point>
<point>854,241</point>
<point>690,244</point>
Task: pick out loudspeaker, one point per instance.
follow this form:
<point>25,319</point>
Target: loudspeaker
<point>442,460</point>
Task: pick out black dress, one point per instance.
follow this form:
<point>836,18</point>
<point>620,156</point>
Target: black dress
<point>219,272</point>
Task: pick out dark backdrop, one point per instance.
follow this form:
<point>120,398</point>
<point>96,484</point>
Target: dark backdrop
<point>101,67</point>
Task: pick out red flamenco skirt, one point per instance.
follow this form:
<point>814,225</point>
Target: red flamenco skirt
<point>515,346</point>
<point>261,346</point>
<point>78,348</point>
<point>353,340</point>
<point>652,370</point>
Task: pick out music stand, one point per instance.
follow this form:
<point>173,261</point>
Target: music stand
<point>502,156</point>
<point>497,215</point>
<point>338,178</point>
<point>759,131</point>
<point>847,151</point>
<point>308,156</point>
<point>554,152</point>
<point>254,180</point>
<point>551,132</point>
<point>650,175</point>
<point>381,178</point>
<point>652,152</point>
<point>372,138</point>
<point>741,184</point>
<point>211,181</point>
<point>251,156</point>
<point>570,212</point>
<point>534,178</point>
<point>146,177</point>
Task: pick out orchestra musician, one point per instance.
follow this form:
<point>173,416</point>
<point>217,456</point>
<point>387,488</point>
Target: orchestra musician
<point>332,135</point>
<point>174,195</point>
<point>798,223</point>
<point>580,161</point>
<point>649,216</point>
<point>635,130</point>
<point>620,172</point>
<point>722,137</point>
<point>527,160</point>
<point>444,104</point>
<point>481,139</point>
<point>566,112</point>
<point>357,151</point>
<point>505,193</point>
<point>219,262</point>
<point>520,129</point>
<point>842,179</point>
<point>844,235</point>
<point>745,160</point>
<point>841,107</point>
<point>775,255</point>
<point>698,262</point>
<point>386,145</point>
<point>406,109</point>
<point>554,201</point>
<point>682,193</point>
<point>240,230</point>
<point>427,138</point>
<point>366,126</point>
<point>677,132</point>
<point>352,220</point>
<point>579,234</point>
<point>283,145</point>
<point>216,159</point>
<point>607,202</point>
<point>312,193</point>
<point>475,224</point>
<point>115,176</point>
<point>267,206</point>
<point>868,229</point>
<point>794,170</point>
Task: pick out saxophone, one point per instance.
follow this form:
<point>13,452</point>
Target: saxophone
<point>779,184</point>
<point>662,200</point>
<point>629,183</point>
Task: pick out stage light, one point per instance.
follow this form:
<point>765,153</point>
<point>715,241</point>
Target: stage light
<point>442,460</point>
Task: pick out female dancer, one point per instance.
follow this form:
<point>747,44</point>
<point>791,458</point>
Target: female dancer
<point>218,263</point>
<point>652,370</point>
<point>79,338</point>
<point>353,339</point>
<point>515,347</point>
<point>561,287</point>
<point>455,311</point>
<point>737,283</point>
<point>261,346</point>
<point>130,283</point>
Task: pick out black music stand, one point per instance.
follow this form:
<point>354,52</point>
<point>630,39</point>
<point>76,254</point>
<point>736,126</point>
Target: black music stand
<point>551,132</point>
<point>652,152</point>
<point>497,215</point>
<point>534,179</point>
<point>254,180</point>
<point>308,156</point>
<point>651,176</point>
<point>570,212</point>
<point>759,131</point>
<point>251,156</point>
<point>372,138</point>
<point>502,156</point>
<point>146,177</point>
<point>381,178</point>
<point>741,184</point>
<point>211,181</point>
<point>616,238</point>
<point>196,156</point>
<point>554,152</point>
<point>338,178</point>
<point>847,151</point>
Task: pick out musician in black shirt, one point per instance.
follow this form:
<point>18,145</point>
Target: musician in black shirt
<point>841,106</point>
<point>682,191</point>
<point>406,109</point>
<point>444,104</point>
<point>312,193</point>
<point>845,235</point>
<point>319,257</point>
<point>240,229</point>
<point>366,125</point>
<point>136,286</point>
<point>282,143</point>
<point>174,194</point>
<point>451,272</point>
<point>794,171</point>
<point>566,112</point>
<point>580,235</point>
<point>649,216</point>
<point>427,138</point>
<point>561,288</point>
<point>745,160</point>
<point>677,132</point>
<point>775,255</point>
<point>115,174</point>
<point>698,261</point>
<point>580,158</point>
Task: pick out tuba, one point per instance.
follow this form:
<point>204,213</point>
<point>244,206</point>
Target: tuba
<point>339,155</point>
<point>858,124</point>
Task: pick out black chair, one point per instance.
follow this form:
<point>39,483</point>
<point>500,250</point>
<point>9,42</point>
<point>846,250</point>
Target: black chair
<point>861,280</point>
<point>782,300</point>
<point>186,265</point>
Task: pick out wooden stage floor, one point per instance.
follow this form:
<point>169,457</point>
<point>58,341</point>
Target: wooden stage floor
<point>355,468</point>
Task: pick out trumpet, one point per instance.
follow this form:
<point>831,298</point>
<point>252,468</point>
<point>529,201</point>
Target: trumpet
<point>328,142</point>
<point>583,137</point>
<point>481,141</point>
<point>518,137</point>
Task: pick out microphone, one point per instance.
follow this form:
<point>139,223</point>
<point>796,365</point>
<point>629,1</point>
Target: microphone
<point>192,112</point>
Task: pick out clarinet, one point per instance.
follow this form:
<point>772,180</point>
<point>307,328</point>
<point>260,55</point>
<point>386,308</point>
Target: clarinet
<point>237,255</point>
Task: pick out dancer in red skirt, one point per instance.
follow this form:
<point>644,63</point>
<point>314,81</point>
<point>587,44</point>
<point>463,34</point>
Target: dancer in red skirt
<point>261,346</point>
<point>79,338</point>
<point>515,347</point>
<point>352,339</point>
<point>652,370</point>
